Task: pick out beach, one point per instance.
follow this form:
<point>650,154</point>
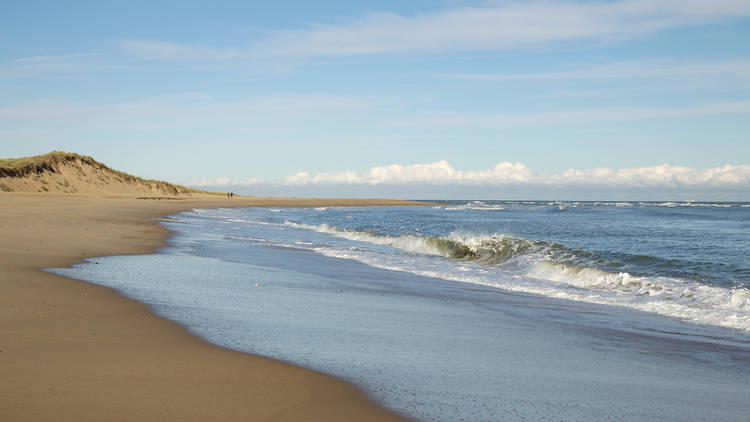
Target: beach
<point>471,310</point>
<point>190,227</point>
<point>71,350</point>
<point>209,308</point>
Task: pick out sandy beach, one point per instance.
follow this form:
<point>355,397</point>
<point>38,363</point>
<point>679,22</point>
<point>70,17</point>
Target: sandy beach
<point>70,350</point>
<point>567,239</point>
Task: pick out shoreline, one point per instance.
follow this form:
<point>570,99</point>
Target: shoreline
<point>70,350</point>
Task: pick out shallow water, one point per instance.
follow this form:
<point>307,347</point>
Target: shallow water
<point>444,313</point>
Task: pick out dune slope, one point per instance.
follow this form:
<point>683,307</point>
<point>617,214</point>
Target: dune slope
<point>64,172</point>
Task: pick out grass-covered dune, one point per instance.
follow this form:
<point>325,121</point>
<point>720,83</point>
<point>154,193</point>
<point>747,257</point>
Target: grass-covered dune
<point>67,172</point>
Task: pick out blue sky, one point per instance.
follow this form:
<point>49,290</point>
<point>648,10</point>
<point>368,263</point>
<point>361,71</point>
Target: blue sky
<point>569,99</point>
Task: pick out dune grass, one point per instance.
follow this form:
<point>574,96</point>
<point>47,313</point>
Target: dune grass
<point>39,164</point>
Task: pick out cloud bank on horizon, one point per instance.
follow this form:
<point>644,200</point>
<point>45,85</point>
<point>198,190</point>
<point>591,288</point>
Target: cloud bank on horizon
<point>443,173</point>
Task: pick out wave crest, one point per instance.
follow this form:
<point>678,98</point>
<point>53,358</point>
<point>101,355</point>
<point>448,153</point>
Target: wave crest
<point>491,249</point>
<point>566,273</point>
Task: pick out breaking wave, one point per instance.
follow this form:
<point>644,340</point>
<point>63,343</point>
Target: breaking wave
<point>564,205</point>
<point>549,269</point>
<point>477,205</point>
<point>493,249</point>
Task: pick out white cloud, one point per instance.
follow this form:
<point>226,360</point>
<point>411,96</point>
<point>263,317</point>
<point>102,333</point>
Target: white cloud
<point>507,25</point>
<point>26,67</point>
<point>628,70</point>
<point>224,181</point>
<point>180,110</point>
<point>570,117</point>
<point>663,175</point>
<point>289,113</point>
<point>166,50</point>
<point>442,173</point>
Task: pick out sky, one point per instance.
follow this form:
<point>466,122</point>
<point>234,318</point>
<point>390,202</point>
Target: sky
<point>600,100</point>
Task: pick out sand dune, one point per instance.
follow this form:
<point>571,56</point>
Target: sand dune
<point>64,172</point>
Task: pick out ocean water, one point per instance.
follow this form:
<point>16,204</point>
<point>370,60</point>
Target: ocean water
<point>476,310</point>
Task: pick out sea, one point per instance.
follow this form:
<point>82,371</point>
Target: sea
<point>474,310</point>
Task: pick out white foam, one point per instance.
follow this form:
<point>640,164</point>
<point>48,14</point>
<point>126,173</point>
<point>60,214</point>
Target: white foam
<point>529,267</point>
<point>530,271</point>
<point>668,297</point>
<point>476,205</point>
<point>409,243</point>
<point>687,204</point>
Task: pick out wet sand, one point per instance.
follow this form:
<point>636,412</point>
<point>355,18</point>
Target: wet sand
<point>70,350</point>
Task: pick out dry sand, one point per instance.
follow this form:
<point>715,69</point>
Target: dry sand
<point>73,351</point>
